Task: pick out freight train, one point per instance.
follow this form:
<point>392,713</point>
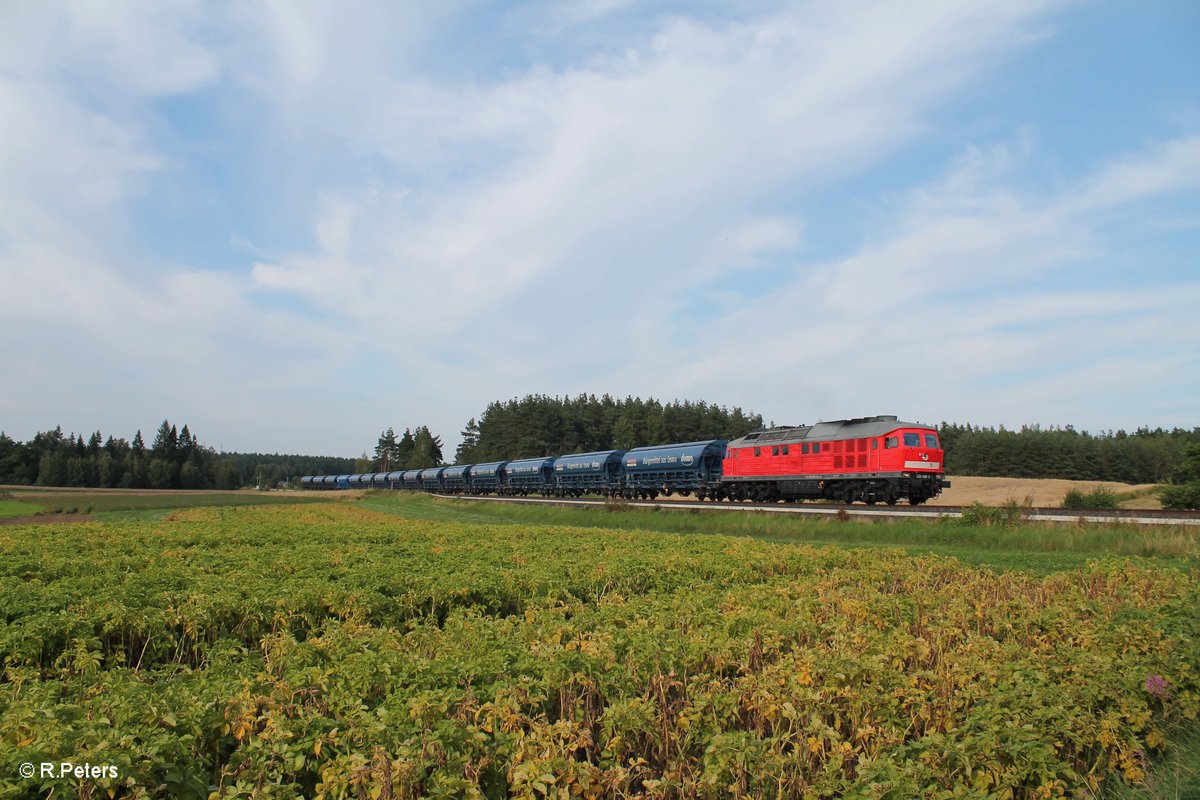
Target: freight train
<point>870,459</point>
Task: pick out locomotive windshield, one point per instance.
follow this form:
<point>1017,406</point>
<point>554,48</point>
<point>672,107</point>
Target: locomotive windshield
<point>931,441</point>
<point>912,440</point>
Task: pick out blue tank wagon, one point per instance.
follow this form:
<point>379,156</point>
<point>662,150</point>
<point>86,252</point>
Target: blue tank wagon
<point>583,473</point>
<point>486,478</point>
<point>529,476</point>
<point>669,468</point>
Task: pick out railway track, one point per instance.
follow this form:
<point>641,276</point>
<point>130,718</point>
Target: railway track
<point>1130,516</point>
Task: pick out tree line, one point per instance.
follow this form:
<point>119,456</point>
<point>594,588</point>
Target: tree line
<point>415,449</point>
<point>1144,456</point>
<point>175,459</point>
<point>539,425</point>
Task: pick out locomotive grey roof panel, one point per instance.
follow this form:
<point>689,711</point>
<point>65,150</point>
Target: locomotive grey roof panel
<point>860,428</point>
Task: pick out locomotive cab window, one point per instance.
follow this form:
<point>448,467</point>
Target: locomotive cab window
<point>874,444</point>
<point>890,442</point>
<point>912,440</point>
<point>931,441</point>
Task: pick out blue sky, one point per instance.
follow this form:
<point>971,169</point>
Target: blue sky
<point>292,225</point>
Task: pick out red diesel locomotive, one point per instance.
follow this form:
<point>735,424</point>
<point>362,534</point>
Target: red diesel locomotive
<point>872,459</point>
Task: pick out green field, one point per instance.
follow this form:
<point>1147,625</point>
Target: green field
<point>18,508</point>
<point>1039,548</point>
<point>410,647</point>
<point>115,505</point>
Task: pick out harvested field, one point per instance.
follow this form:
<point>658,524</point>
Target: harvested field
<point>1044,492</point>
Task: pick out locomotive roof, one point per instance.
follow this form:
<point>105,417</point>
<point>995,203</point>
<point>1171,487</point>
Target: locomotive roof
<point>860,428</point>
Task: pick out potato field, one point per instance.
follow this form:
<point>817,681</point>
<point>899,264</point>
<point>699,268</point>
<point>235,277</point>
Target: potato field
<point>336,652</point>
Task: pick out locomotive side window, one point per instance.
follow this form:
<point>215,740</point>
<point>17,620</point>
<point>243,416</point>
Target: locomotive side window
<point>912,440</point>
<point>817,447</point>
<point>775,450</point>
<point>785,449</point>
<point>931,441</point>
<point>758,451</point>
<point>890,442</point>
<point>874,444</point>
<point>804,449</point>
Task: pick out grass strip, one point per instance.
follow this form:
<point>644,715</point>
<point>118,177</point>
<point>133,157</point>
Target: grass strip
<point>1035,547</point>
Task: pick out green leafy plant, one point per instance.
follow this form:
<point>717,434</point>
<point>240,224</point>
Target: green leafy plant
<point>1100,497</point>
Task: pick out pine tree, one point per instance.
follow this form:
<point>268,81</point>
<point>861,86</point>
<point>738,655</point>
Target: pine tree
<point>187,444</point>
<point>386,451</point>
<point>465,454</point>
<point>166,442</point>
<point>404,450</point>
<point>427,449</point>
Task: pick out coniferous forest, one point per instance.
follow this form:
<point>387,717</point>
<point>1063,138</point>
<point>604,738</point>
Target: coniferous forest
<point>543,425</point>
<point>175,459</point>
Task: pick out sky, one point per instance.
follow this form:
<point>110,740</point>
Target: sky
<point>291,225</point>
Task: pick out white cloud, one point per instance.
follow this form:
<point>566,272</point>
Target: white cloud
<point>960,298</point>
<point>623,220</point>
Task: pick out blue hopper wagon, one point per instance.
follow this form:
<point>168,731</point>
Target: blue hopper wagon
<point>454,479</point>
<point>412,480</point>
<point>529,476</point>
<point>431,479</point>
<point>487,478</point>
<point>583,473</point>
<point>670,468</point>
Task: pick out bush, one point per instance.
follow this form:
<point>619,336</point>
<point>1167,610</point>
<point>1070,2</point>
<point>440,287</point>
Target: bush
<point>1183,497</point>
<point>1009,515</point>
<point>1100,497</point>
